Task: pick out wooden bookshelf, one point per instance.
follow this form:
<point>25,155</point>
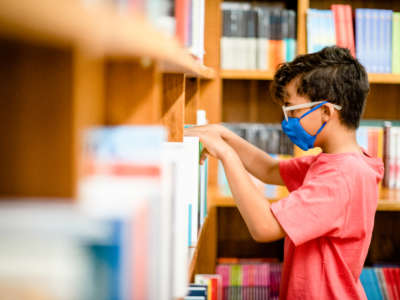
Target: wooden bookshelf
<point>99,29</point>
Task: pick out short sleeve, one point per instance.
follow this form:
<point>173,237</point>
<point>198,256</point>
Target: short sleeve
<point>317,208</point>
<point>293,171</point>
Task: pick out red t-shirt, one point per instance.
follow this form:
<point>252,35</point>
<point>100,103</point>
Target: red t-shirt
<point>328,218</point>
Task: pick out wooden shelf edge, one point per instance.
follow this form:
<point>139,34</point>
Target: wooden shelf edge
<point>100,29</point>
<point>389,200</point>
<point>247,74</point>
<point>267,75</point>
<point>384,78</point>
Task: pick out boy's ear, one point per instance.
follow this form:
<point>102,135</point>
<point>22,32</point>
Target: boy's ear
<point>327,112</point>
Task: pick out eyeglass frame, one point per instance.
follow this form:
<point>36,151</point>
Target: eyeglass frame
<point>305,105</point>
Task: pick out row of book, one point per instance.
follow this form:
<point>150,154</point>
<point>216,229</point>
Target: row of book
<point>257,36</point>
<point>381,139</point>
<point>375,42</point>
<point>271,139</point>
<point>205,287</point>
<point>183,19</point>
<point>381,283</point>
<point>155,193</point>
<point>250,279</point>
<point>190,18</point>
<point>141,202</point>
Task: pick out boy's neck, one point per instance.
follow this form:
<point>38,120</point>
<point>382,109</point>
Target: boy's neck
<point>341,141</point>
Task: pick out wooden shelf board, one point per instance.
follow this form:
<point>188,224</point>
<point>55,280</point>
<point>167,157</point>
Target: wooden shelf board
<point>384,78</point>
<point>267,75</point>
<point>389,200</point>
<point>247,74</point>
<point>100,29</point>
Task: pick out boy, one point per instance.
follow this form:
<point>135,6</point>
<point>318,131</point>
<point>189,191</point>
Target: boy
<point>327,220</point>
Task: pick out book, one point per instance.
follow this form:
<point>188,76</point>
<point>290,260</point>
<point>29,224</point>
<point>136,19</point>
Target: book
<point>203,176</point>
<point>46,249</point>
<point>182,17</point>
<point>256,280</point>
<point>396,43</point>
<point>320,29</point>
<point>214,283</point>
<point>174,221</point>
<point>121,184</point>
<point>343,20</point>
<point>191,166</point>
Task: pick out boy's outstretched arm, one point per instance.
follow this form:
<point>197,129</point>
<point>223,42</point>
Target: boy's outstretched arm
<point>253,206</point>
<point>256,162</point>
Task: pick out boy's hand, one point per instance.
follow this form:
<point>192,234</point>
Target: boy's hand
<point>211,138</point>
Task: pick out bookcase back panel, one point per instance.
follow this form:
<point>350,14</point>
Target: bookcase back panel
<point>383,102</point>
<point>234,239</point>
<point>192,100</point>
<point>385,244</point>
<point>173,105</point>
<point>249,101</point>
<point>380,4</point>
<point>132,93</point>
<point>36,143</point>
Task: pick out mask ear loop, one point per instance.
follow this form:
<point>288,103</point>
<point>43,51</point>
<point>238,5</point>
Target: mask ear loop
<point>319,130</point>
<point>315,108</point>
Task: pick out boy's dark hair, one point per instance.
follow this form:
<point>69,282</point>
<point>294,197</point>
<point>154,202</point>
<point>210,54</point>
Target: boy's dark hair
<point>331,74</point>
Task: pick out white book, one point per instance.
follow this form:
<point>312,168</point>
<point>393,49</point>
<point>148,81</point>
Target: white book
<point>202,120</point>
<point>226,53</point>
<point>174,175</point>
<point>191,166</point>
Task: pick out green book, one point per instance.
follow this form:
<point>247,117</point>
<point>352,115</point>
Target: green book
<point>396,43</point>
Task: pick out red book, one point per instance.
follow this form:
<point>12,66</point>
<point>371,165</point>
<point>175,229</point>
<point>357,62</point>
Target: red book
<point>182,19</point>
<point>396,281</point>
<point>343,18</point>
<point>389,283</point>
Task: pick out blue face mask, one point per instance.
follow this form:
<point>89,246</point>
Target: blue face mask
<point>293,129</point>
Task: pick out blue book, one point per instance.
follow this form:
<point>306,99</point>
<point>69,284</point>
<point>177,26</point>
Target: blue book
<point>368,39</point>
<point>370,284</point>
<point>197,290</point>
<point>388,40</point>
<point>108,263</point>
<point>359,35</point>
<point>380,42</point>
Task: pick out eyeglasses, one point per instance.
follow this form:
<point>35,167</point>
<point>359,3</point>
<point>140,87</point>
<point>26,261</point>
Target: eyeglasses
<point>305,105</point>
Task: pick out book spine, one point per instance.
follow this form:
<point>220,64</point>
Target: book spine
<point>340,28</point>
<point>381,42</point>
<point>225,40</point>
<point>264,36</point>
<point>396,43</point>
<point>349,29</point>
<point>182,21</point>
<point>310,30</point>
<point>291,40</point>
<point>388,35</point>
<point>375,59</point>
<point>360,35</point>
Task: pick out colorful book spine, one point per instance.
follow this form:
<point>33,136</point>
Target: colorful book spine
<point>255,280</point>
<point>344,26</point>
<point>361,36</point>
<point>121,183</point>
